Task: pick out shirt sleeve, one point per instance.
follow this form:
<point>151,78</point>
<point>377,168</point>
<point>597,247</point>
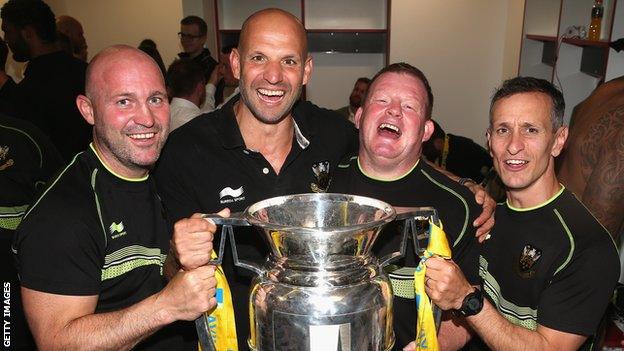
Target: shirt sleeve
<point>209,102</point>
<point>59,255</point>
<point>578,295</point>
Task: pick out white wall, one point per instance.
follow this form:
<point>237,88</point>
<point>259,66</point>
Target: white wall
<point>465,47</point>
<point>126,22</point>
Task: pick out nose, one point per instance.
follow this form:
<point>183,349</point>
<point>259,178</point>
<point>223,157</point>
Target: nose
<point>273,72</point>
<point>516,143</point>
<point>145,116</point>
<point>394,109</point>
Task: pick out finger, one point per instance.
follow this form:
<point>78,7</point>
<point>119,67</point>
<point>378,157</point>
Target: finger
<point>224,212</point>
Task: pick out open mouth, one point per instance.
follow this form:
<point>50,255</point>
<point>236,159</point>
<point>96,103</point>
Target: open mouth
<point>141,136</point>
<point>270,95</point>
<point>515,163</point>
<point>389,129</point>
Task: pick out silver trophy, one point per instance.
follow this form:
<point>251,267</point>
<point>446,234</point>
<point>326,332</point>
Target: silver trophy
<point>320,289</point>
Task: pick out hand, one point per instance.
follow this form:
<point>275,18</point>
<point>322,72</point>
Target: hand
<point>188,294</point>
<point>445,283</point>
<point>410,347</point>
<point>485,221</point>
<point>192,240</point>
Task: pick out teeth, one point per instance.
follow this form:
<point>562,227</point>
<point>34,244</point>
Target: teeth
<point>515,162</point>
<point>392,127</point>
<point>142,136</point>
<point>271,92</point>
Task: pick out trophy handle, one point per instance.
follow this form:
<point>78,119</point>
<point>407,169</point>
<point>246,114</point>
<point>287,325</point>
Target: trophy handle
<point>410,218</point>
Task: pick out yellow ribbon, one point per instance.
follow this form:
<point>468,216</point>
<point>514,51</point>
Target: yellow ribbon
<point>426,335</point>
<point>221,320</point>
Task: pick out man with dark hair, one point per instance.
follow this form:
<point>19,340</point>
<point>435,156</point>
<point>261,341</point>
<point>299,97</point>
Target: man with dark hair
<point>73,30</point>
<point>193,31</point>
<point>549,269</point>
<point>91,250</point>
<point>394,120</point>
<point>186,86</point>
<point>52,80</point>
<point>457,154</point>
<point>592,164</point>
<point>355,99</point>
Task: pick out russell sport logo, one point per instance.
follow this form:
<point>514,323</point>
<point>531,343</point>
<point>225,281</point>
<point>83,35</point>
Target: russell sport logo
<point>228,195</point>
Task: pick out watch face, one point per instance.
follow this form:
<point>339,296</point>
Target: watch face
<point>473,304</point>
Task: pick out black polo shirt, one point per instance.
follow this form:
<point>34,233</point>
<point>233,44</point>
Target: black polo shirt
<point>205,167</point>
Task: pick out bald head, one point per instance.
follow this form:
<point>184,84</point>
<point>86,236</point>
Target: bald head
<point>116,58</point>
<point>73,30</point>
<point>272,20</point>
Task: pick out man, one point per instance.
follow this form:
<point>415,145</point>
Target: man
<point>592,165</point>
<point>228,86</point>
<point>186,85</point>
<point>46,96</point>
<point>91,249</point>
<point>73,30</point>
<point>193,37</point>
<point>457,154</point>
<point>394,120</point>
<point>355,99</point>
<point>262,143</point>
<point>549,268</point>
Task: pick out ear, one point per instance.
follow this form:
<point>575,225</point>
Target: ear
<point>86,108</point>
<point>307,69</point>
<point>235,63</point>
<point>429,127</point>
<point>357,117</point>
<point>560,138</point>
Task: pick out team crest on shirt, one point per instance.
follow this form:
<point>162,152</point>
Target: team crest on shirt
<point>117,229</point>
<point>528,258</point>
<point>321,177</point>
<point>5,160</point>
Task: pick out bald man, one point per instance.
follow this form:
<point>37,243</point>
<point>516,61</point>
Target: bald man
<point>91,250</point>
<point>592,165</point>
<point>73,30</point>
<point>264,142</point>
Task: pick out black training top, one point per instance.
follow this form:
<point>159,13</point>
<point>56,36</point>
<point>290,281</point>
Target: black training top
<point>467,158</point>
<point>552,265</point>
<point>422,186</point>
<point>46,97</point>
<point>27,161</point>
<point>205,167</point>
<point>93,232</point>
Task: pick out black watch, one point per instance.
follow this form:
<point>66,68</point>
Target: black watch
<point>472,304</point>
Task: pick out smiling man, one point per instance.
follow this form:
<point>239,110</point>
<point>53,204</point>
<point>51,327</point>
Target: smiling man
<point>549,269</point>
<point>394,121</point>
<point>264,142</point>
<point>91,249</point>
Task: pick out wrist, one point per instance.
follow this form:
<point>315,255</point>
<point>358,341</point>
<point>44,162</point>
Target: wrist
<point>472,303</point>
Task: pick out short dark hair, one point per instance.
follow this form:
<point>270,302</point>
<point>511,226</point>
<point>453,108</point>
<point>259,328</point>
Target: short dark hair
<point>201,24</point>
<point>227,49</point>
<point>438,132</point>
<point>183,76</point>
<point>406,68</point>
<point>35,13</point>
<point>521,85</point>
<point>363,80</point>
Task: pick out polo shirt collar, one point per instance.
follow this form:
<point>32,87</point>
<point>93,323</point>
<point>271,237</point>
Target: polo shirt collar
<point>232,138</point>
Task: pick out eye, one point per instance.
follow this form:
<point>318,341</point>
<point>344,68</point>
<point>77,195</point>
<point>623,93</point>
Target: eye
<point>155,100</point>
<point>290,62</point>
<point>532,130</point>
<point>123,102</point>
<point>257,58</point>
<point>501,131</point>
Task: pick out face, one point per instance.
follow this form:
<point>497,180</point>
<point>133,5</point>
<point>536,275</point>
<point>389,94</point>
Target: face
<point>522,141</point>
<point>272,65</point>
<point>392,121</point>
<point>16,42</point>
<point>78,41</point>
<point>358,93</point>
<point>130,113</point>
<point>192,42</point>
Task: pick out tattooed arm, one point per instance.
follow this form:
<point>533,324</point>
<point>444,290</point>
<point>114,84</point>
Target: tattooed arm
<point>604,194</point>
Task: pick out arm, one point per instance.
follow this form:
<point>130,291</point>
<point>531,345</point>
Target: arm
<point>604,193</point>
<point>60,322</point>
<point>452,335</point>
<point>485,221</point>
<point>211,88</point>
<point>447,288</point>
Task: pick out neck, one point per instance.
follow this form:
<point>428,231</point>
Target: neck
<point>116,167</point>
<point>40,48</point>
<point>273,141</point>
<point>535,194</point>
<point>192,98</point>
<point>386,169</point>
<point>196,53</point>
